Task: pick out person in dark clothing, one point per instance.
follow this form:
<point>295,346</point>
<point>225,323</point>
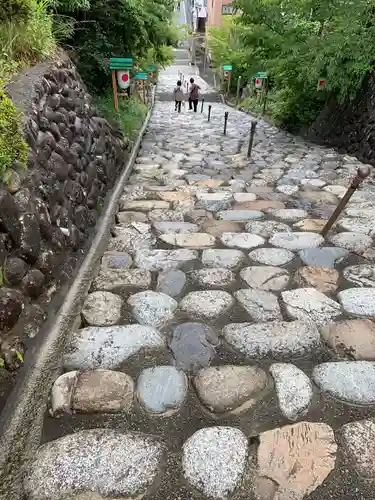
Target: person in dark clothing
<point>178,96</point>
<point>193,95</point>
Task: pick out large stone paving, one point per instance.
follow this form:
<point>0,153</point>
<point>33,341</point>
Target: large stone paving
<point>222,327</point>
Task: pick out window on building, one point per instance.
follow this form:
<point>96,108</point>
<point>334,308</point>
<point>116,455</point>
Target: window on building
<point>227,10</point>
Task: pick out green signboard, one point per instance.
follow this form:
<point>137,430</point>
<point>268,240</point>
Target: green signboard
<point>261,74</point>
<point>150,67</point>
<point>121,63</point>
<point>227,67</point>
<point>141,76</point>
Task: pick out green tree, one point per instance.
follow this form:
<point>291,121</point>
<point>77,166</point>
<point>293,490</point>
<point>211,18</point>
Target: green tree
<point>300,41</point>
<point>121,28</point>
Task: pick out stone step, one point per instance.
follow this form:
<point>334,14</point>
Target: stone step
<point>215,461</point>
<point>101,462</point>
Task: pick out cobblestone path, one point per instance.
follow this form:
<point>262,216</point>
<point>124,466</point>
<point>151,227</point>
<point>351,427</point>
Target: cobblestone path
<point>225,349</point>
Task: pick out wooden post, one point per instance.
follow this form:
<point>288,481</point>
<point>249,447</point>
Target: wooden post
<point>362,173</point>
<point>144,91</point>
<point>114,86</point>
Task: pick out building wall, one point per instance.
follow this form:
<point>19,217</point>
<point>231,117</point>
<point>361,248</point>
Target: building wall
<point>215,11</point>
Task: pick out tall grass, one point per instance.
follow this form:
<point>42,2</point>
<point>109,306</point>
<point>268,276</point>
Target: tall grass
<point>26,42</point>
<point>130,115</point>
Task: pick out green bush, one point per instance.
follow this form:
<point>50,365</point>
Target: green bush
<point>118,28</point>
<point>12,145</point>
<point>27,43</point>
<point>130,116</point>
<point>298,42</point>
<point>15,11</point>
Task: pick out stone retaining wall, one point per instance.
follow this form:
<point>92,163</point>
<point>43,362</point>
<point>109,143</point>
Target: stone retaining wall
<point>48,209</point>
<point>349,127</point>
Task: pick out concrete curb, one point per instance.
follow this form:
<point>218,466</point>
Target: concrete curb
<point>21,420</point>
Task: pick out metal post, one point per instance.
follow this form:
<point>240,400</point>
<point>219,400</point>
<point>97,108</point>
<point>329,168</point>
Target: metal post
<point>209,112</point>
<point>228,88</point>
<point>362,173</point>
<point>251,139</point>
<point>238,89</point>
<point>202,106</point>
<point>225,122</point>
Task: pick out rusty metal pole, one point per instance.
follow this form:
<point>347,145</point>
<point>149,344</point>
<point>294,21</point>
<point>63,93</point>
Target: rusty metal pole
<point>225,122</point>
<point>362,173</point>
<point>251,138</point>
<point>209,112</point>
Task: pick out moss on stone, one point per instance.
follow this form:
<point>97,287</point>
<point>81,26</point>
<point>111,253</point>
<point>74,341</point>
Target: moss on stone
<point>12,144</point>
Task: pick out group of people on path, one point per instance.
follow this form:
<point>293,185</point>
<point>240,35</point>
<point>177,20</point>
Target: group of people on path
<point>193,96</point>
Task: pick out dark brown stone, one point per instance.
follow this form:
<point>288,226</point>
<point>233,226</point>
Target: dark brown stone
<point>3,248</point>
<point>30,321</point>
<point>23,200</point>
<point>9,216</point>
<point>30,238</point>
<point>11,304</point>
<point>14,270</point>
<point>13,351</point>
<point>33,283</point>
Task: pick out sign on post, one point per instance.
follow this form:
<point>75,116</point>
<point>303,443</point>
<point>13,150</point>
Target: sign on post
<point>150,70</point>
<point>123,79</point>
<point>120,67</point>
<point>321,83</point>
<point>260,80</point>
<point>227,68</point>
<point>141,76</point>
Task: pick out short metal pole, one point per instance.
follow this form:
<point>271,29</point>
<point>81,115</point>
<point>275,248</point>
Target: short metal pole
<point>238,89</point>
<point>251,139</point>
<point>209,112</point>
<point>225,122</point>
<point>362,173</point>
<point>202,106</point>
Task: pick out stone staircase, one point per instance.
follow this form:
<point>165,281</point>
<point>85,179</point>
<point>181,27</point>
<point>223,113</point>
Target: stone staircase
<point>225,349</point>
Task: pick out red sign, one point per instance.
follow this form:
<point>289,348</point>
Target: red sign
<point>125,77</point>
<point>227,75</point>
<point>150,74</point>
<point>321,84</point>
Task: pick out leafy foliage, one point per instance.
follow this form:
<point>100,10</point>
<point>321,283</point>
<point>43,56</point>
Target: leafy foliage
<point>121,28</point>
<point>27,42</point>
<point>12,145</point>
<point>130,115</point>
<point>298,42</point>
<point>17,11</point>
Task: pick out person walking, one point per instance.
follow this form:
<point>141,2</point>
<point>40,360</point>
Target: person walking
<point>193,95</point>
<point>178,96</point>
